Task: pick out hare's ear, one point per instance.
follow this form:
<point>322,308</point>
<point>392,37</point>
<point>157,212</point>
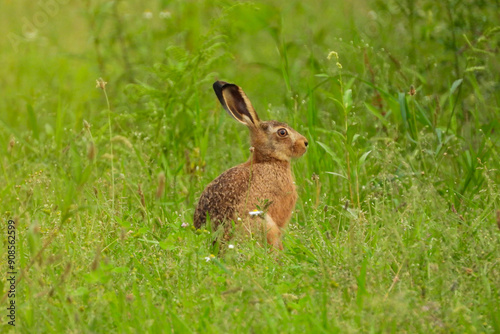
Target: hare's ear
<point>237,104</point>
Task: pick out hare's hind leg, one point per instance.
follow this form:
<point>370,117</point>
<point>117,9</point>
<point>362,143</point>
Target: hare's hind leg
<point>273,233</point>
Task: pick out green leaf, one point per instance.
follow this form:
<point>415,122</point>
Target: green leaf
<point>362,159</point>
<point>376,113</point>
<point>80,291</point>
<point>332,154</point>
<point>120,270</point>
<point>84,177</point>
<point>327,149</point>
<point>355,137</point>
<point>403,108</point>
<point>348,99</point>
<point>167,245</point>
<point>32,122</point>
<point>337,174</point>
<point>455,85</point>
<point>337,101</point>
<point>422,116</point>
<point>351,135</point>
<point>143,230</point>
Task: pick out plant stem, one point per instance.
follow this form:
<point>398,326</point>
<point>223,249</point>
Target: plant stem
<point>112,154</point>
<point>346,125</point>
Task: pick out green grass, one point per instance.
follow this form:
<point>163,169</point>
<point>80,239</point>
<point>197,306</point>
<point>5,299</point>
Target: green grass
<point>397,224</point>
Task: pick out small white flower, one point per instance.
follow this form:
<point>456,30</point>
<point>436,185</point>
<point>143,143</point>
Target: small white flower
<point>147,15</point>
<point>230,246</point>
<point>208,258</point>
<point>255,213</point>
<point>184,224</point>
<point>238,219</point>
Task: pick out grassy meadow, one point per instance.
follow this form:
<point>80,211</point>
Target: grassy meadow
<point>397,226</point>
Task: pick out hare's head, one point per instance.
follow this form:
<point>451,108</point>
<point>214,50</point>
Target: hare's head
<point>270,140</point>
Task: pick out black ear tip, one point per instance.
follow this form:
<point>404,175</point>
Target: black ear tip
<point>218,85</point>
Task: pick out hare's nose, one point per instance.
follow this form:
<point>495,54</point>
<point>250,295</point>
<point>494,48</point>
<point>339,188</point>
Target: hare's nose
<point>306,143</point>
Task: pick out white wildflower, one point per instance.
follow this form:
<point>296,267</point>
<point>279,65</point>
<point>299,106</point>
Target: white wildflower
<point>255,213</point>
<point>208,258</point>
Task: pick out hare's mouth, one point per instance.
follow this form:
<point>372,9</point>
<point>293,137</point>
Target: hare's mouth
<point>298,154</point>
<point>299,149</point>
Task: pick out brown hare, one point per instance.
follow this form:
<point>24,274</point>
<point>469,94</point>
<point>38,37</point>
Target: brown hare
<point>264,180</point>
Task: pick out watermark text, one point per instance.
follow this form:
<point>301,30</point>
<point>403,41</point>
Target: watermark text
<point>11,272</point>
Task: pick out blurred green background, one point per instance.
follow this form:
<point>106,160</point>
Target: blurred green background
<point>397,224</point>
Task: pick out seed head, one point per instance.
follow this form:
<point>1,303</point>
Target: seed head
<point>333,54</point>
<point>91,151</point>
<point>101,84</point>
<point>161,186</point>
<point>12,143</point>
<point>412,91</point>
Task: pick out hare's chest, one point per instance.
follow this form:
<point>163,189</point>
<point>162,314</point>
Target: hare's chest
<point>275,190</point>
<point>274,182</point>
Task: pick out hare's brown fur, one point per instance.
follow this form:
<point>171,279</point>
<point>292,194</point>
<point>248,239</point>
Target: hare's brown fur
<point>266,176</point>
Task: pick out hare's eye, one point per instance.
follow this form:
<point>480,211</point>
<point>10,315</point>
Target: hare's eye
<point>282,132</point>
